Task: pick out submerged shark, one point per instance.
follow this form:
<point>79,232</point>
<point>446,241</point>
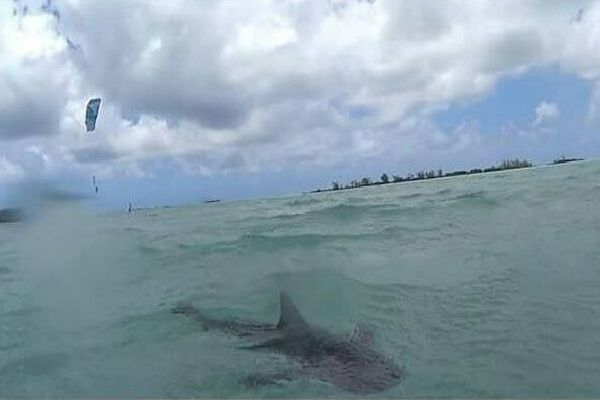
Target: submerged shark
<point>347,362</point>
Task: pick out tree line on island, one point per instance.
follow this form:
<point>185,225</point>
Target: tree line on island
<point>431,174</point>
<point>564,160</point>
<point>421,175</point>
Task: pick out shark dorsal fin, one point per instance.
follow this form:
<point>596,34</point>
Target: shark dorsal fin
<point>289,316</point>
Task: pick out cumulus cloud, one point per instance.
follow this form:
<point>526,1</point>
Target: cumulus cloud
<point>579,52</point>
<point>10,171</point>
<point>545,112</point>
<point>230,86</point>
<point>35,73</point>
<point>594,106</point>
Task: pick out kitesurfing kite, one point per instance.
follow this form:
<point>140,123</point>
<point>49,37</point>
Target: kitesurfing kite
<point>91,114</point>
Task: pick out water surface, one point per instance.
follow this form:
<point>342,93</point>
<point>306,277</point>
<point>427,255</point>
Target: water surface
<point>484,286</point>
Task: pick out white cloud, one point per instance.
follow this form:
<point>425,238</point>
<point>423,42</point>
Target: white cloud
<point>545,112</point>
<point>582,45</point>
<point>225,86</point>
<point>10,171</point>
<point>594,106</point>
<point>35,74</point>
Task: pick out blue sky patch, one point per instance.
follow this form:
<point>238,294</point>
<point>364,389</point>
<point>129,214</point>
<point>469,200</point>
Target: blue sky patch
<point>514,100</point>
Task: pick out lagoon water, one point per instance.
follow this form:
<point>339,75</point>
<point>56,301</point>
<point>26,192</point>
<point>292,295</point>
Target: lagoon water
<point>484,286</point>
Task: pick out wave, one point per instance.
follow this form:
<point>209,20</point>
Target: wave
<point>411,196</point>
<point>309,201</point>
<point>341,211</point>
<point>479,194</point>
<point>444,191</point>
<point>287,240</point>
<point>261,241</point>
<point>476,198</point>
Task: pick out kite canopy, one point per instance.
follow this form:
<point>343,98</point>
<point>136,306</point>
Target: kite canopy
<point>91,114</point>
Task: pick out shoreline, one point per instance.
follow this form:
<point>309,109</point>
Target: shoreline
<point>452,174</point>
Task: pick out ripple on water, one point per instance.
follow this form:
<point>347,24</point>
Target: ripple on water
<point>480,287</point>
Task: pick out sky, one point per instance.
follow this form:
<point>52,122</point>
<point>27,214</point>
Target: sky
<point>236,99</point>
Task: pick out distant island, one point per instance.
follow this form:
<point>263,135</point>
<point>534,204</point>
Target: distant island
<point>563,160</point>
<point>10,215</point>
<point>432,174</point>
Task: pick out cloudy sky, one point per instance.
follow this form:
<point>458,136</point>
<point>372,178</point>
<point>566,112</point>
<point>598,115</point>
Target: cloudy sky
<point>238,99</point>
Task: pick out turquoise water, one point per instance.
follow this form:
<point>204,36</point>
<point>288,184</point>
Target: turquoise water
<point>482,286</point>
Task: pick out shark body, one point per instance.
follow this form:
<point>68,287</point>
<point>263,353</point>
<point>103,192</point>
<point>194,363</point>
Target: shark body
<point>349,363</point>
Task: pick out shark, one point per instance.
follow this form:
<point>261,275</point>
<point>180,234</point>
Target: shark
<point>347,361</point>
